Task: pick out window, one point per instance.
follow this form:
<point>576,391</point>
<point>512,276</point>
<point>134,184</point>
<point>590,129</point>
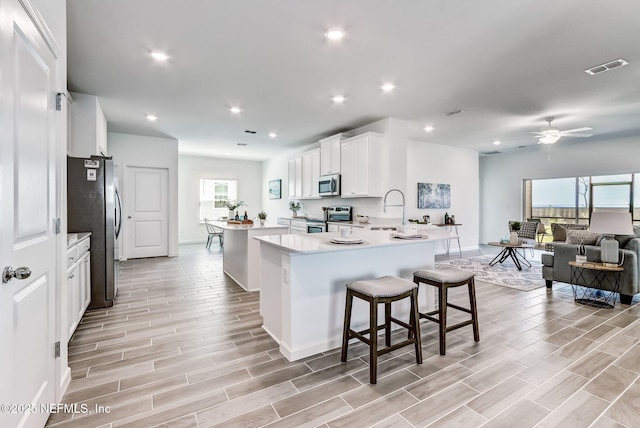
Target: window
<point>572,199</point>
<point>213,194</point>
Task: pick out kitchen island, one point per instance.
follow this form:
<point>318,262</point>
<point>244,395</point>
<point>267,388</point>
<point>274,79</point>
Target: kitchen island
<point>302,295</point>
<point>241,253</point>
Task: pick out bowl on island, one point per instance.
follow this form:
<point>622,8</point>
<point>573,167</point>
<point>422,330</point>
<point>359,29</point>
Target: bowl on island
<point>362,219</point>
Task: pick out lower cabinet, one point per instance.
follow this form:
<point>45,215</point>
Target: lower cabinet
<point>78,282</point>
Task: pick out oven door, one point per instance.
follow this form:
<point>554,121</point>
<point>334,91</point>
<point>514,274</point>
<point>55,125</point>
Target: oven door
<point>316,227</point>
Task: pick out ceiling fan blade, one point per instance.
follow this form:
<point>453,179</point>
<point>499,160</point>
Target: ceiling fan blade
<point>577,135</point>
<point>576,130</point>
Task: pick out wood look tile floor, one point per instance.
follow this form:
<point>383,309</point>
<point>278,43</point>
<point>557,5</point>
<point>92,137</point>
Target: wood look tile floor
<point>183,347</point>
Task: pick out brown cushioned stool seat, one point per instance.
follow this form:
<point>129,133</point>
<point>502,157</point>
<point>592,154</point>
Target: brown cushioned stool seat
<point>385,290</point>
<point>443,278</point>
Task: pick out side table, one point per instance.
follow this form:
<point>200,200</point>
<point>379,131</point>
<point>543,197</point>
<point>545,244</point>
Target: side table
<point>594,275</point>
<point>451,228</point>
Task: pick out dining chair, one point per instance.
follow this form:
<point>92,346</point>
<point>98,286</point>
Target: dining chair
<point>212,232</point>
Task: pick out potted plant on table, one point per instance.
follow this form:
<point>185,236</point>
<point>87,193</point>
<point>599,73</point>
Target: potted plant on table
<point>295,206</point>
<point>513,236</point>
<point>232,205</point>
<point>262,216</point>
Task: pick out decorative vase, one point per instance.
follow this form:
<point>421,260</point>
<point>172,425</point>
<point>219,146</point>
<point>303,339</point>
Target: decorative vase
<point>513,238</point>
<point>262,221</point>
<point>581,259</point>
<point>231,215</point>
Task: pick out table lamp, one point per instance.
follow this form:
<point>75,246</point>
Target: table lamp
<point>610,224</point>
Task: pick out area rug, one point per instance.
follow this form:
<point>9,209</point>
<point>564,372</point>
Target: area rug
<point>505,274</point>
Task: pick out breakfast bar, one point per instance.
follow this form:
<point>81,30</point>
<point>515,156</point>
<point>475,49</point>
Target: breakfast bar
<point>302,295</point>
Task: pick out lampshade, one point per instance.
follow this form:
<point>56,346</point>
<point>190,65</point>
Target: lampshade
<point>611,223</point>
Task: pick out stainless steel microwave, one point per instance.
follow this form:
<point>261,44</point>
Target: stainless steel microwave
<point>329,185</point>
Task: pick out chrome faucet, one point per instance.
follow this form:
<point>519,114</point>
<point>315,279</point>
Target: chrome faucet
<point>404,219</point>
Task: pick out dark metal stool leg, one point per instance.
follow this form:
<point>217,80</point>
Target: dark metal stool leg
<point>387,324</point>
<point>474,309</point>
<point>373,340</point>
<point>347,326</point>
<point>442,315</point>
<point>415,324</point>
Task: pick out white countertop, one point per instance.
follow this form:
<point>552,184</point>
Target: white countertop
<point>74,238</point>
<point>256,225</point>
<point>320,242</point>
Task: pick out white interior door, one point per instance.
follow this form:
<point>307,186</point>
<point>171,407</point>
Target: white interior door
<point>27,235</point>
<point>147,195</point>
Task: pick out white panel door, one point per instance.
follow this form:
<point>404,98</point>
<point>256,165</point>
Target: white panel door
<point>27,235</point>
<point>147,195</point>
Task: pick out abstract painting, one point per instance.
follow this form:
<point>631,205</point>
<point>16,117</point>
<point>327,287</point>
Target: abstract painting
<point>432,195</point>
<point>274,189</point>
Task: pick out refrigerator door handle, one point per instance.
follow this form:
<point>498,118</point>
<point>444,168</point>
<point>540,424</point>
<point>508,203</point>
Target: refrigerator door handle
<point>118,214</point>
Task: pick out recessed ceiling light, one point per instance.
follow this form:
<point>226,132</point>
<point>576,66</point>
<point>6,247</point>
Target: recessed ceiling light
<point>152,117</point>
<point>228,153</point>
<point>159,55</point>
<point>272,135</point>
<point>496,142</point>
<point>338,99</point>
<point>235,110</point>
<point>334,34</point>
<point>428,128</point>
<point>388,87</point>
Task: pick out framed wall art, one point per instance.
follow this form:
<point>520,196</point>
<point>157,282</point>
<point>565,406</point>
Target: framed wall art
<point>434,196</point>
<point>275,189</point>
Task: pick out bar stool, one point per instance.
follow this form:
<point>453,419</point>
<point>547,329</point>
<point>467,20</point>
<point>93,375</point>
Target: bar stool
<point>443,278</point>
<point>382,290</point>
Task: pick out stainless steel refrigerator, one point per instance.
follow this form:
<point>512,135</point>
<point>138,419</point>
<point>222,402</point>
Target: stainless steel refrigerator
<point>93,205</point>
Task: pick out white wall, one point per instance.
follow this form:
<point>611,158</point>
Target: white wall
<point>136,150</point>
<point>434,163</point>
<point>193,168</point>
<point>501,175</point>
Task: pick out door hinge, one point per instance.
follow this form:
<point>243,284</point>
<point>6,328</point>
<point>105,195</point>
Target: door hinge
<point>58,223</point>
<point>57,350</point>
<point>59,97</point>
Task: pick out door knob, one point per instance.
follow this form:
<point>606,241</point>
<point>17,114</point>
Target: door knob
<point>20,273</point>
<point>129,216</point>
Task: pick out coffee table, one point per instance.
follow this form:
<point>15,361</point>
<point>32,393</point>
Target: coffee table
<point>511,250</point>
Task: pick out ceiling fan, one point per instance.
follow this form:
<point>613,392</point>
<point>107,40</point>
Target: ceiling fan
<point>552,135</point>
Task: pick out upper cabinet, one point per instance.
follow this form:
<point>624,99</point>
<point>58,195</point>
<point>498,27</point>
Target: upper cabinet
<point>330,154</point>
<point>87,127</point>
<point>361,166</point>
<point>310,173</point>
<point>295,178</point>
<point>304,171</point>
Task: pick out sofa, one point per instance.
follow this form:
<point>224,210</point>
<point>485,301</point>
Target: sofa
<point>555,267</point>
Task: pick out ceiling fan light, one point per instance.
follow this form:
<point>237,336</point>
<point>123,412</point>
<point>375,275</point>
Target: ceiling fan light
<point>548,139</point>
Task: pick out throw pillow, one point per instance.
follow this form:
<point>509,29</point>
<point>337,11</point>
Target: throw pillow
<point>582,237</point>
<point>559,230</point>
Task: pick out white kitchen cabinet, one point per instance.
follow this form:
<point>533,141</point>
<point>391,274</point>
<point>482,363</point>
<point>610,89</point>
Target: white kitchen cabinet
<point>295,178</point>
<point>361,166</point>
<point>78,280</point>
<point>310,174</point>
<point>332,227</point>
<point>304,171</point>
<point>330,154</point>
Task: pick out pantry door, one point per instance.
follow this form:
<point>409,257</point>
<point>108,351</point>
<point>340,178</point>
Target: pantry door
<point>29,58</point>
<point>147,212</point>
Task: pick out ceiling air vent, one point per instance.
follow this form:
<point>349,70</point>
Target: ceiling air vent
<point>241,144</point>
<point>453,112</point>
<point>606,67</point>
<point>248,131</point>
<point>495,152</point>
